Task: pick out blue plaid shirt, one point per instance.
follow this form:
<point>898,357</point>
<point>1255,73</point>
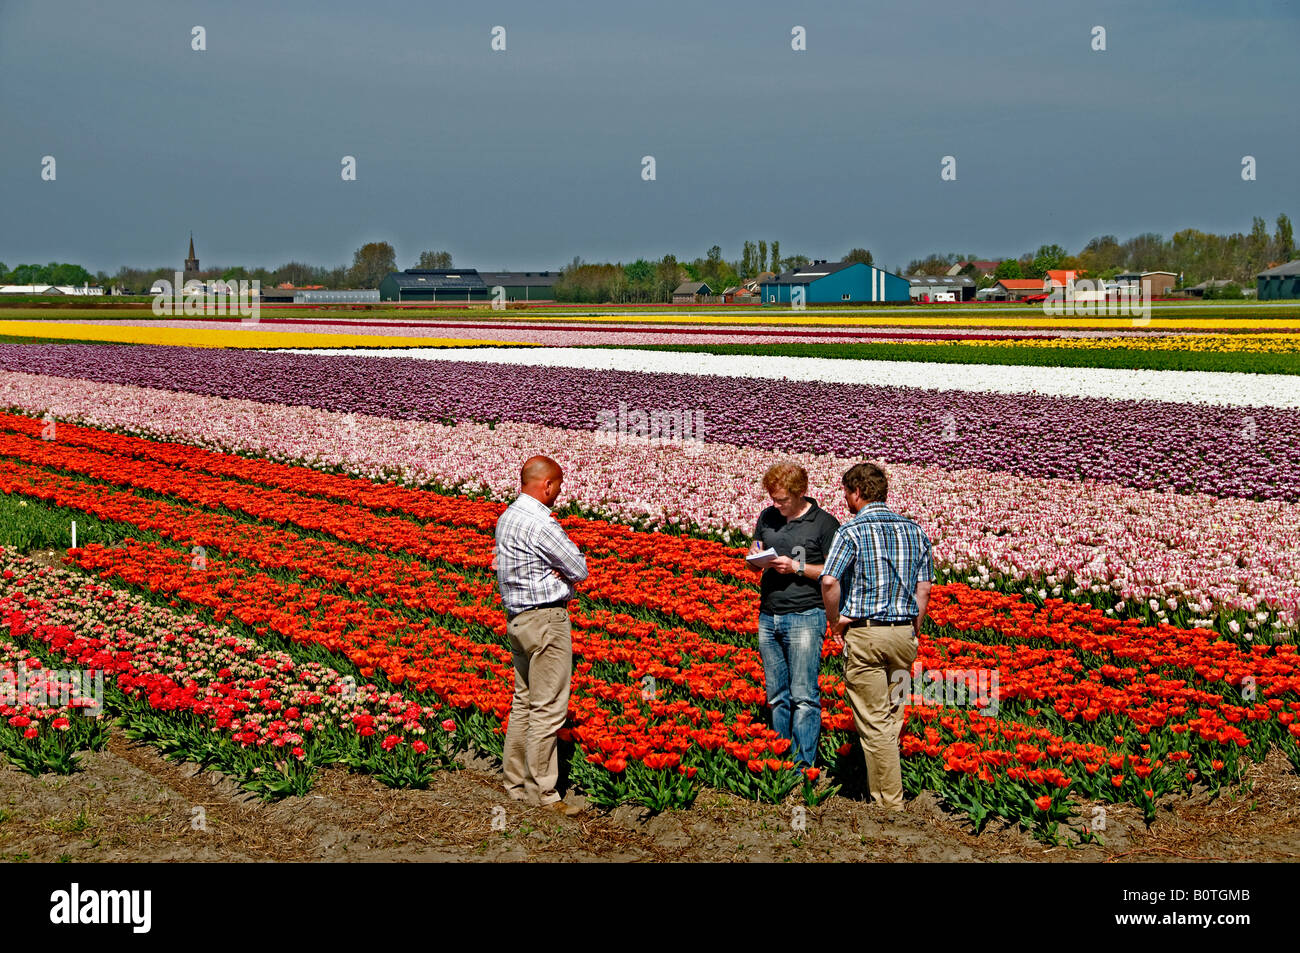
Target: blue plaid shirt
<point>530,543</point>
<point>884,556</point>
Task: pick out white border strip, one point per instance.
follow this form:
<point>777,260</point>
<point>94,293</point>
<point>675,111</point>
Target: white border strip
<point>1227,389</point>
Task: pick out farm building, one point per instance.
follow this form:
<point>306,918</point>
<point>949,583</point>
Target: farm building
<point>689,292</point>
<point>336,296</point>
<point>1280,282</point>
<point>981,268</point>
<point>51,290</point>
<point>837,281</point>
<point>318,296</point>
<point>522,285</point>
<point>1015,289</point>
<point>1157,284</point>
<point>1060,277</point>
<point>926,287</point>
<point>434,284</point>
<point>1213,285</point>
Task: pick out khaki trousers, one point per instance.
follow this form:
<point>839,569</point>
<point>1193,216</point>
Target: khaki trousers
<point>541,644</point>
<point>874,654</point>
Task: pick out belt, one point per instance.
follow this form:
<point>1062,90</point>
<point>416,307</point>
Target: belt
<point>878,623</point>
<point>557,604</point>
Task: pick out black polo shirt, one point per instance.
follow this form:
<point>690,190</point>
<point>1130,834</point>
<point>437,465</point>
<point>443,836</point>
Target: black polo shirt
<point>791,592</point>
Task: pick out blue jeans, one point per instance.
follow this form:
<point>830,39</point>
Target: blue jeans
<point>791,646</point>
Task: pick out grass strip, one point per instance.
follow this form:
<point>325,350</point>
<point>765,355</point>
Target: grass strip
<point>1119,358</point>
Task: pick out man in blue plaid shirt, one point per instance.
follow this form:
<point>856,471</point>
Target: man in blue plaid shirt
<point>537,568</point>
<point>886,561</point>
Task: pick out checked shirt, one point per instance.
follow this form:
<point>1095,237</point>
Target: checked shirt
<point>530,543</point>
<point>879,557</point>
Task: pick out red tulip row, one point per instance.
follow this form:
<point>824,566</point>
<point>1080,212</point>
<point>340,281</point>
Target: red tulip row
<point>462,670</point>
<point>693,598</point>
<point>593,536</point>
<point>46,716</point>
<point>674,655</point>
<point>216,696</point>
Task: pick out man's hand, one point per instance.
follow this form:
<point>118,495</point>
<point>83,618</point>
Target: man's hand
<point>831,603</point>
<point>784,564</point>
<point>835,630</point>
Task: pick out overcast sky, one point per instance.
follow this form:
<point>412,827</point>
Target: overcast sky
<point>525,158</point>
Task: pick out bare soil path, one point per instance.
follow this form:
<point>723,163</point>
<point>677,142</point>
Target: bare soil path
<point>129,804</point>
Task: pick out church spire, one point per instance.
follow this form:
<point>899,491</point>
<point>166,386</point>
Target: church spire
<point>191,263</point>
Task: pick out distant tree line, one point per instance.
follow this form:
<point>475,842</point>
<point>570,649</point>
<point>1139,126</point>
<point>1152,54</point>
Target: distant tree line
<point>371,263</point>
<point>639,282</point>
<point>1198,256</point>
<point>55,273</point>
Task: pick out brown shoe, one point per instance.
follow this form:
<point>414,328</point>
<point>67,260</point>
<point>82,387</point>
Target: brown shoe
<point>567,810</point>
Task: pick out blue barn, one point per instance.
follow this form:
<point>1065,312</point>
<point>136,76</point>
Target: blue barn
<point>837,282</point>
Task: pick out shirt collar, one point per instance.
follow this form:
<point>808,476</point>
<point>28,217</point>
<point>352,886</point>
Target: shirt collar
<point>812,511</point>
<point>872,509</point>
<point>534,504</point>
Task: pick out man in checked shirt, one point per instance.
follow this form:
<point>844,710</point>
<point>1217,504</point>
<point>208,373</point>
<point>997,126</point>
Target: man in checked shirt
<point>537,567</point>
<point>889,566</point>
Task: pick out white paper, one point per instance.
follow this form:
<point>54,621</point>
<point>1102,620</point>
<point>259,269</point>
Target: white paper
<point>762,559</point>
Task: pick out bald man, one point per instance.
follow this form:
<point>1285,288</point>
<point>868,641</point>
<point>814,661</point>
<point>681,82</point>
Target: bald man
<point>537,567</point>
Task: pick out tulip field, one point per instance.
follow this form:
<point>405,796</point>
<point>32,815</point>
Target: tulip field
<point>283,563</point>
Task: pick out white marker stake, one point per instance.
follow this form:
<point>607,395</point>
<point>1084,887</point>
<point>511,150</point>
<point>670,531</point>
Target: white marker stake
<point>74,534</point>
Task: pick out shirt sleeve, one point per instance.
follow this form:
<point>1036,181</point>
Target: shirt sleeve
<point>562,555</point>
<point>926,573</point>
<point>840,556</point>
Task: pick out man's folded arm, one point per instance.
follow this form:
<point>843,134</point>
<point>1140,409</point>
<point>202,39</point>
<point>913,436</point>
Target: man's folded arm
<point>564,557</point>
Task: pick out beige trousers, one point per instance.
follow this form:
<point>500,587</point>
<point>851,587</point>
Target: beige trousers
<point>542,647</point>
<point>874,654</point>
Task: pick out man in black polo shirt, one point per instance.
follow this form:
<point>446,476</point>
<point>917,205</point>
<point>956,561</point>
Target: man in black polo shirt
<point>791,618</point>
